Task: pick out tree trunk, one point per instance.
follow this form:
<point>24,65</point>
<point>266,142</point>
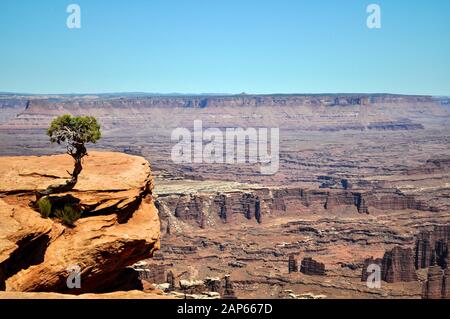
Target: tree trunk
<point>63,188</point>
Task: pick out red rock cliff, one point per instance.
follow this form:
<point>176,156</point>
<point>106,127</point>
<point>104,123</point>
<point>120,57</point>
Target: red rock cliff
<point>119,228</point>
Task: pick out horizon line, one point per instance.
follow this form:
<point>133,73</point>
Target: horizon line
<point>178,94</point>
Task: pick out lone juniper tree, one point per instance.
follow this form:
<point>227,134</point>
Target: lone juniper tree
<point>74,133</point>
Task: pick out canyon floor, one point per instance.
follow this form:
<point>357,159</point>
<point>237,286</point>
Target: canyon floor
<point>356,179</point>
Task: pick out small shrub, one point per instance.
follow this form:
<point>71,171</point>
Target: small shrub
<point>68,215</point>
<point>66,208</point>
<point>45,207</point>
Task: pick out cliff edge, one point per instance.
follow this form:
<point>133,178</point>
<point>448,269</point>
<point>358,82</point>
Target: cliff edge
<point>119,226</point>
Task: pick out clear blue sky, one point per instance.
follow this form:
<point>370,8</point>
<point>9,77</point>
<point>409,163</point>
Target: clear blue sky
<point>225,46</point>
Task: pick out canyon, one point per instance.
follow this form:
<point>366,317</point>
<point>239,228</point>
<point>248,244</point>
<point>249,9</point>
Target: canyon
<point>363,178</point>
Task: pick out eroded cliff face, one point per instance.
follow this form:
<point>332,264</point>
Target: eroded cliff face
<point>242,100</point>
<point>119,227</point>
<point>339,228</point>
<point>437,285</point>
<point>432,247</point>
<point>397,265</point>
<point>205,209</point>
<point>432,253</point>
<point>313,112</point>
<point>311,267</point>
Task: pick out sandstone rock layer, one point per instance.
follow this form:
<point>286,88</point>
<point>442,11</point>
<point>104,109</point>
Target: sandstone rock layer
<point>119,226</point>
<point>311,267</point>
<point>397,265</point>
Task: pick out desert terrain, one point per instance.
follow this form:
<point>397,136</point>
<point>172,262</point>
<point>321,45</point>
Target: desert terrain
<point>363,179</point>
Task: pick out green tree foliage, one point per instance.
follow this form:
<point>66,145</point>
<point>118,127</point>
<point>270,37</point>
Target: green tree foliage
<point>74,132</point>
